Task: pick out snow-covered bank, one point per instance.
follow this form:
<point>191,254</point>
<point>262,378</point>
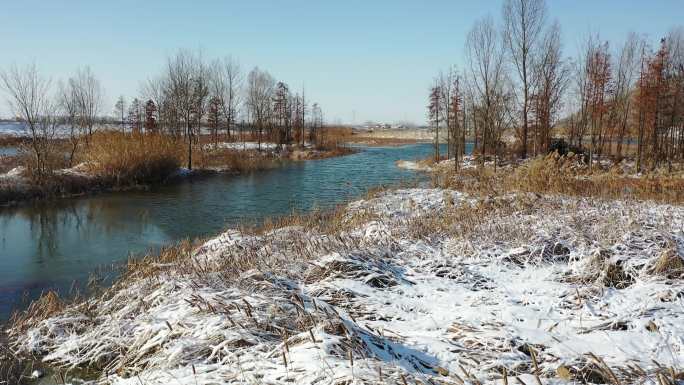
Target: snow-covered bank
<point>16,186</point>
<point>423,285</point>
<point>413,165</point>
<point>241,146</point>
<point>291,152</point>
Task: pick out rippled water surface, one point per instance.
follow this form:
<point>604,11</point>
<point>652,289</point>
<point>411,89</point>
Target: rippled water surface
<point>57,244</point>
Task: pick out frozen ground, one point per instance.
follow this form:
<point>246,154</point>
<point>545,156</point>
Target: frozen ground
<point>417,286</point>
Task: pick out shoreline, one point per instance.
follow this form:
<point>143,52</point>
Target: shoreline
<point>497,298</point>
<point>87,185</point>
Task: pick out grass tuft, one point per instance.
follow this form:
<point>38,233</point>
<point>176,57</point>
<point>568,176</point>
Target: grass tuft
<point>669,264</point>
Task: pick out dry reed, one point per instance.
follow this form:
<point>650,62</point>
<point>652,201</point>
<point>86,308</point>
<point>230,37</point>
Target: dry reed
<point>126,159</point>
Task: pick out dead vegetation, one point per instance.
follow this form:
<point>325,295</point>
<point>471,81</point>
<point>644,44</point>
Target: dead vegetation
<point>567,175</point>
<point>132,159</point>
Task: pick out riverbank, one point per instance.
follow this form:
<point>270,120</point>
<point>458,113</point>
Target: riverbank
<point>396,136</point>
<point>407,286</point>
<point>388,137</point>
<point>87,178</point>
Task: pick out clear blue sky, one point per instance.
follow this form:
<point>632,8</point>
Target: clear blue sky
<point>373,57</point>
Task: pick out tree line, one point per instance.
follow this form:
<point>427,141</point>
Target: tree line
<point>517,82</point>
<point>190,96</point>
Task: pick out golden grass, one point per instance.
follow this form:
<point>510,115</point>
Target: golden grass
<point>44,307</point>
<point>236,161</point>
<point>133,158</point>
<point>553,174</point>
<point>670,264</point>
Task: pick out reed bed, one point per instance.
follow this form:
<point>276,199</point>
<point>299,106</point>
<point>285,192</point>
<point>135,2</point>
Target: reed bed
<point>132,158</point>
<point>567,175</point>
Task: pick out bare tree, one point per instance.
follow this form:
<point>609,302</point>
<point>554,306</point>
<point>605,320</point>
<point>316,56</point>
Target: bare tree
<point>89,93</point>
<point>523,24</point>
<point>675,105</point>
<point>151,116</point>
<point>260,86</point>
<point>135,116</point>
<point>29,100</point>
<point>120,110</point>
<point>627,68</point>
<point>550,79</point>
<point>200,93</point>
<point>214,118</point>
<point>435,113</point>
<point>456,119</point>
<point>282,112</point>
<point>226,87</point>
<point>181,87</point>
<point>445,81</point>
<point>298,119</point>
<point>485,59</point>
<point>316,134</point>
<point>599,78</point>
<point>501,115</point>
<point>69,105</point>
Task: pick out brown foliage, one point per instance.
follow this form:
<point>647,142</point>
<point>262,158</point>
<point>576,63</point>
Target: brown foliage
<point>555,174</point>
<point>133,158</point>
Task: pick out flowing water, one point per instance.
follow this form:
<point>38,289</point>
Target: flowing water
<point>59,244</point>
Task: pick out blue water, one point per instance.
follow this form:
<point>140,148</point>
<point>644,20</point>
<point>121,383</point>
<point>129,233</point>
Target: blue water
<point>8,151</point>
<point>59,244</point>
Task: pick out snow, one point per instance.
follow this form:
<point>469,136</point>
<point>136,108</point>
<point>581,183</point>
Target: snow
<point>413,165</point>
<point>419,291</point>
<point>182,172</point>
<point>16,172</point>
<point>239,146</point>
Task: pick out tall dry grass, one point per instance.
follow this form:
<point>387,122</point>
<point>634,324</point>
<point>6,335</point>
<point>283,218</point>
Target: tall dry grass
<point>236,161</point>
<point>122,158</point>
<point>567,175</point>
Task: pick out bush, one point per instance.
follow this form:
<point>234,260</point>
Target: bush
<point>41,160</point>
<point>133,158</point>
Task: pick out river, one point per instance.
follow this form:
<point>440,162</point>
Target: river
<point>59,244</point>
